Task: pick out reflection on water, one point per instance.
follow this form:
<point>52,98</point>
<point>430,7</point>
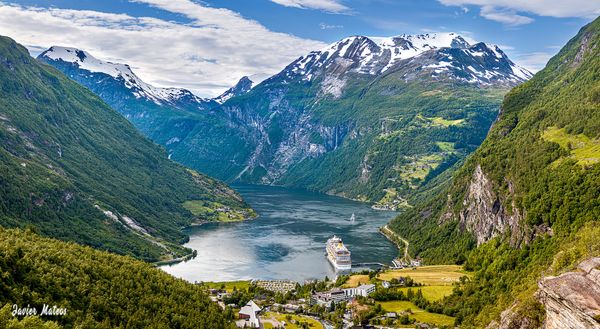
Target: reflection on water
<point>287,241</point>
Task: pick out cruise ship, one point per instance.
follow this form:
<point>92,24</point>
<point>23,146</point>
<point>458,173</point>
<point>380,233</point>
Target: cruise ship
<point>338,254</point>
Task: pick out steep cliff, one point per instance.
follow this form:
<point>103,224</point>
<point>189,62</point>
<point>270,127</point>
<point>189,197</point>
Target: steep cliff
<point>572,300</point>
<point>74,169</point>
<point>532,185</point>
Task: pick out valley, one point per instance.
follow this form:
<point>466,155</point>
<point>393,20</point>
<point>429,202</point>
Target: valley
<point>287,239</point>
<point>346,180</point>
<point>380,118</point>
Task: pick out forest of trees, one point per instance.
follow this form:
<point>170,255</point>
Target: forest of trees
<point>98,289</point>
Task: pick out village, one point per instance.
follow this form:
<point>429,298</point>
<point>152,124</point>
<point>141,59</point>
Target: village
<point>405,296</point>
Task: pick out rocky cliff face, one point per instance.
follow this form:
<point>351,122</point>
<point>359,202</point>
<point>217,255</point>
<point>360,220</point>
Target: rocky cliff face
<point>282,139</point>
<point>511,319</point>
<point>572,300</point>
<point>484,214</point>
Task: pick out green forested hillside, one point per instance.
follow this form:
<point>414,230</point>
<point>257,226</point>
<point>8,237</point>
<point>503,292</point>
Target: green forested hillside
<point>381,141</point>
<point>74,169</point>
<point>540,164</point>
<point>98,289</point>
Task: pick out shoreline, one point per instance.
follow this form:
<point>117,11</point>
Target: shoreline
<point>397,240</point>
<point>202,222</point>
<point>193,254</point>
<point>184,258</point>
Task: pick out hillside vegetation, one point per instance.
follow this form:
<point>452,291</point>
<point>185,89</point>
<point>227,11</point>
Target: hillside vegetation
<point>74,169</point>
<point>98,289</point>
<point>527,202</point>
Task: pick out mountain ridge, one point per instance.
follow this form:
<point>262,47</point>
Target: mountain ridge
<point>376,55</point>
<point>74,169</point>
<point>301,121</point>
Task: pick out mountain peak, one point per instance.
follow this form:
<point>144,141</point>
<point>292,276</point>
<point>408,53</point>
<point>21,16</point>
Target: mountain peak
<point>86,61</point>
<point>140,89</point>
<point>241,87</point>
<point>471,61</point>
<point>425,41</point>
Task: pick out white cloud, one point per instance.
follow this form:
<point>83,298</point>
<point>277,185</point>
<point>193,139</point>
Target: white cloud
<point>324,26</point>
<point>533,61</point>
<point>506,11</point>
<point>508,17</point>
<point>206,56</point>
<point>332,6</point>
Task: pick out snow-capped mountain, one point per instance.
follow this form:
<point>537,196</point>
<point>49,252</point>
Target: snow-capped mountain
<point>367,118</point>
<point>436,54</point>
<point>121,72</point>
<point>243,86</point>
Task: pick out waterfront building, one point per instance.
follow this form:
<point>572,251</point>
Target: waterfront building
<point>363,290</point>
<point>282,286</point>
<point>325,298</point>
<point>416,262</point>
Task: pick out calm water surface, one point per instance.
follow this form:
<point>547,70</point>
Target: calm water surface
<point>287,240</point>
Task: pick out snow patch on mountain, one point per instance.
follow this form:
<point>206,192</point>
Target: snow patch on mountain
<point>243,86</point>
<point>140,89</point>
<point>376,55</point>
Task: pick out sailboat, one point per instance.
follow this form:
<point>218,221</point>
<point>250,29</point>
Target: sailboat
<point>352,218</point>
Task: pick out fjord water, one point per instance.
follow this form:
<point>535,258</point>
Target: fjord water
<point>287,240</point>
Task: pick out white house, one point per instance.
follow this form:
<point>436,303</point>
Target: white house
<point>364,290</point>
<point>249,316</point>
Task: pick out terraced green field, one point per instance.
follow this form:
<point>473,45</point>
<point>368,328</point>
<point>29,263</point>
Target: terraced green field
<point>417,313</point>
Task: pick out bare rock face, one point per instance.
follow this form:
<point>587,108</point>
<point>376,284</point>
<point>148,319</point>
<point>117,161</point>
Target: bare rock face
<point>572,300</point>
<point>510,319</point>
<point>483,212</point>
<point>486,213</point>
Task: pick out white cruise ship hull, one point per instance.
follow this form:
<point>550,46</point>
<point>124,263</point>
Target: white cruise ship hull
<point>337,254</point>
<point>337,266</point>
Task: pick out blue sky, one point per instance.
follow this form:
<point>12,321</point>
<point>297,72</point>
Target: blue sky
<point>207,45</point>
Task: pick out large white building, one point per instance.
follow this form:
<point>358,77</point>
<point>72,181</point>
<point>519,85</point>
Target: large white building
<point>249,316</point>
<point>363,290</point>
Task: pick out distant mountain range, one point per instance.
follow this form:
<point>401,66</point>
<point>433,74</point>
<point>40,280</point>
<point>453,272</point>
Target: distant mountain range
<point>74,169</point>
<point>371,119</point>
<point>76,61</point>
<point>448,55</point>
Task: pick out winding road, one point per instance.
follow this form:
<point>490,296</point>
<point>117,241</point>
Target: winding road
<point>395,237</point>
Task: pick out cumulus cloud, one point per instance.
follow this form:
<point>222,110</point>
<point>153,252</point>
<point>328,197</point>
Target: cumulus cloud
<point>506,11</point>
<point>332,6</point>
<point>206,56</point>
<point>508,17</point>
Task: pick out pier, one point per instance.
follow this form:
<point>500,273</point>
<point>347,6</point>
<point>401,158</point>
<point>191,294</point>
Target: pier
<point>369,264</point>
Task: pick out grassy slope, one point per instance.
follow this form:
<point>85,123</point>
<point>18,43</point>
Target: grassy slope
<point>64,151</point>
<point>98,289</point>
<point>527,147</point>
<point>417,313</point>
